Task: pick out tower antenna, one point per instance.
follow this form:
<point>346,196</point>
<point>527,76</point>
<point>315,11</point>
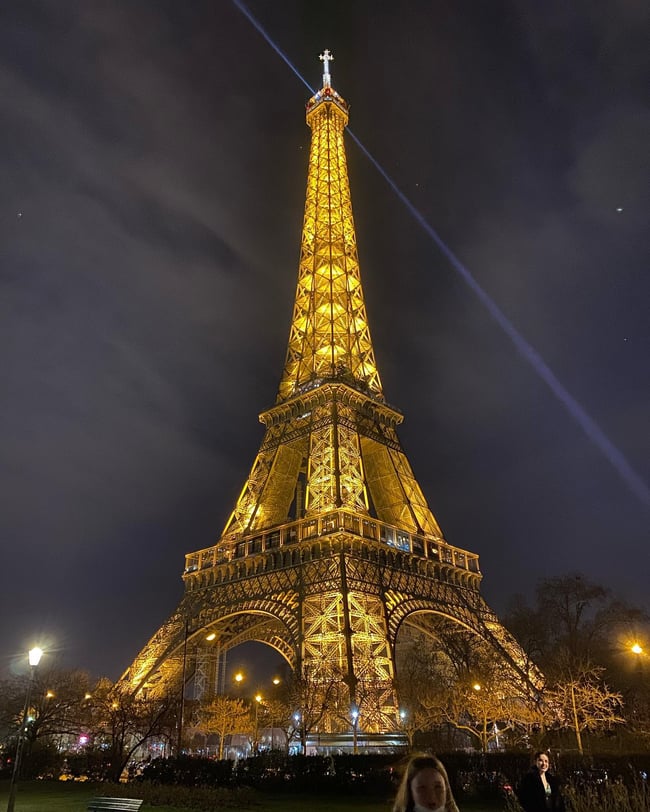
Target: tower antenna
<point>326,57</point>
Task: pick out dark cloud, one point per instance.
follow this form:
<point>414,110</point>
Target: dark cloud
<point>152,184</point>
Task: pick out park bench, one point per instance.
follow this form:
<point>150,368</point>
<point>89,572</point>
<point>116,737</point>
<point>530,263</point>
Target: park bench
<point>116,804</point>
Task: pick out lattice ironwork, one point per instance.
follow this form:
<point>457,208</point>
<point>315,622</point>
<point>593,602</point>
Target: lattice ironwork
<point>331,548</point>
<point>206,671</point>
<point>329,330</point>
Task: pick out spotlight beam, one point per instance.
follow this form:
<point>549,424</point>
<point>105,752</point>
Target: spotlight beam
<point>588,425</point>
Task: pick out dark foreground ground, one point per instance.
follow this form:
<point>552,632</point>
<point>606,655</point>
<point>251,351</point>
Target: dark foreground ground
<point>39,796</point>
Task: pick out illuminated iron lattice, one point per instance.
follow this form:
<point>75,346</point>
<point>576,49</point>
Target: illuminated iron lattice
<point>331,546</point>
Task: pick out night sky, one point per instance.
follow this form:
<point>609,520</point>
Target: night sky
<point>153,161</point>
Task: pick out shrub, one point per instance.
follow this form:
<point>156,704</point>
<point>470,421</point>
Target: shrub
<point>205,799</point>
<point>608,797</point>
<point>188,772</point>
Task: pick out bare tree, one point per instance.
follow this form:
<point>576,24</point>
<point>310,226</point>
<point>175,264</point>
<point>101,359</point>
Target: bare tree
<point>578,628</point>
<point>414,720</point>
<point>124,722</point>
<point>422,671</point>
<point>310,699</point>
<point>485,710</point>
<point>224,716</point>
<point>529,627</point>
<point>575,622</point>
<point>279,713</point>
<point>58,705</point>
<point>473,692</point>
<point>583,701</point>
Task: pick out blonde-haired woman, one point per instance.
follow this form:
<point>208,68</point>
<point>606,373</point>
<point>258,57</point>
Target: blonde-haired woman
<point>424,787</point>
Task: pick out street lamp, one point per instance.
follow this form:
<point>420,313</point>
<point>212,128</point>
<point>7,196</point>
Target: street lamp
<point>179,744</point>
<point>258,699</point>
<point>276,681</point>
<point>407,726</point>
<point>639,654</point>
<point>297,727</point>
<point>355,720</point>
<point>35,655</point>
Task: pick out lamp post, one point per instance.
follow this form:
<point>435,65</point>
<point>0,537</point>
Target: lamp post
<point>276,681</point>
<point>179,743</point>
<point>355,722</point>
<point>407,725</point>
<point>639,653</point>
<point>35,655</point>
<point>298,728</point>
<point>256,746</point>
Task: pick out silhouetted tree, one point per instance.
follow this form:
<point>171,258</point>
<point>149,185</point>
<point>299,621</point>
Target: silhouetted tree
<point>124,721</point>
<point>223,716</point>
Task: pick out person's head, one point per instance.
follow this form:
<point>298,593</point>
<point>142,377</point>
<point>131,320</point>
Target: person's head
<point>541,761</point>
<point>426,784</point>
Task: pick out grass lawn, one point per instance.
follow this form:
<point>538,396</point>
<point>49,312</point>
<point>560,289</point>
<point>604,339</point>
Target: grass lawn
<point>39,796</point>
<point>46,796</point>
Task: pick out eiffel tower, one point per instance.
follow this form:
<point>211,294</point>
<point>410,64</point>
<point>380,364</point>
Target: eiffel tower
<point>331,548</point>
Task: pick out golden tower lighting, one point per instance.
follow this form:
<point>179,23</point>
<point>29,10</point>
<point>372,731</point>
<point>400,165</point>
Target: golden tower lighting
<point>331,548</point>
